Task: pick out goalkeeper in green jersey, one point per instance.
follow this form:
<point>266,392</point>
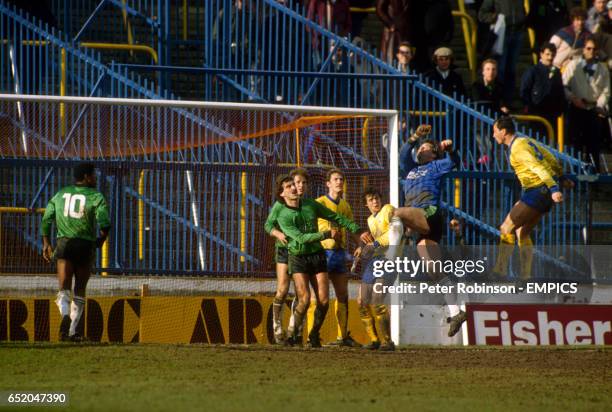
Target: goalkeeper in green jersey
<point>75,210</point>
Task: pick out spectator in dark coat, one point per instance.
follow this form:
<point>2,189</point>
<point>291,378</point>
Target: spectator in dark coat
<point>542,87</point>
<point>396,17</point>
<point>515,18</point>
<point>488,90</point>
<point>443,75</point>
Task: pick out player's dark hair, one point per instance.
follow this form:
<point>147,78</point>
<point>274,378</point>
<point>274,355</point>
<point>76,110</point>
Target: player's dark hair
<point>506,123</point>
<point>371,191</point>
<point>548,46</point>
<point>280,181</point>
<point>330,172</point>
<point>83,169</point>
<point>577,12</point>
<point>299,171</point>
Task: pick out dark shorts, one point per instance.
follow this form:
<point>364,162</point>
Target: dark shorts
<point>435,220</point>
<point>308,264</point>
<point>281,255</point>
<point>370,277</point>
<point>336,260</point>
<point>80,252</point>
<point>538,198</point>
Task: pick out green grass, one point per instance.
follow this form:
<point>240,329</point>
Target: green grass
<point>258,378</point>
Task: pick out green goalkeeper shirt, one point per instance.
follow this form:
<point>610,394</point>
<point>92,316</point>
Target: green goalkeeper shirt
<point>75,210</point>
<point>300,226</point>
<point>271,222</point>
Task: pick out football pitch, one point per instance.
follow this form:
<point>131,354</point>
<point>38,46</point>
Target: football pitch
<point>263,378</point>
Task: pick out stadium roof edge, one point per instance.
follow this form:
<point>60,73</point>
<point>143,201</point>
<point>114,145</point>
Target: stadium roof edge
<point>195,104</point>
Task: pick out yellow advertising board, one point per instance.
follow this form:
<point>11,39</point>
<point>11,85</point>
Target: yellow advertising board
<point>161,319</point>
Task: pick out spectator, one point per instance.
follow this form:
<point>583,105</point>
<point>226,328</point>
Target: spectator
<point>395,16</point>
<point>542,87</point>
<point>404,57</point>
<point>595,14</point>
<point>488,90</point>
<point>569,40</point>
<point>545,17</point>
<point>443,75</point>
<point>603,36</point>
<point>368,87</point>
<point>587,87</point>
<point>514,16</point>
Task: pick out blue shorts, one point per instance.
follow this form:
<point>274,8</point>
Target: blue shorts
<point>369,277</point>
<point>336,260</point>
<point>538,198</point>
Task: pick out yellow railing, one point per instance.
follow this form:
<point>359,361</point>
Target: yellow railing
<point>468,25</point>
<point>531,34</point>
<point>550,131</point>
<point>25,211</point>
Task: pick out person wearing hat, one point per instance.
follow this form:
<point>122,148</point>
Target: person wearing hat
<point>443,76</point>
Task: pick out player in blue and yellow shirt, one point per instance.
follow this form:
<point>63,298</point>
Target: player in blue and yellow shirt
<point>539,173</point>
<point>335,249</point>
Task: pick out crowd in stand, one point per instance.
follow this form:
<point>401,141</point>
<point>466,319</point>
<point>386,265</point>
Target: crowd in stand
<point>574,48</point>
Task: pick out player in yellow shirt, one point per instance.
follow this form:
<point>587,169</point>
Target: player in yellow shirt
<point>539,173</point>
<point>373,312</point>
<point>335,249</point>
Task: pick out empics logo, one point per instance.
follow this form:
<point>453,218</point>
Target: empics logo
<point>540,325</point>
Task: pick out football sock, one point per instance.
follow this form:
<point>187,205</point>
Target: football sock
<point>526,252</point>
<point>319,317</point>
<point>342,316</point>
<point>76,311</point>
<point>383,326</point>
<point>368,322</point>
<point>63,302</point>
<point>506,247</point>
<point>277,307</point>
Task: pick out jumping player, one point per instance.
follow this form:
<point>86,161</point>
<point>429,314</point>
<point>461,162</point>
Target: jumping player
<point>421,212</point>
<point>539,173</point>
<point>307,262</point>
<point>75,210</point>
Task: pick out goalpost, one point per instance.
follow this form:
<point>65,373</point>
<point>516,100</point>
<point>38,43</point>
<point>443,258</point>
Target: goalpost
<point>189,183</point>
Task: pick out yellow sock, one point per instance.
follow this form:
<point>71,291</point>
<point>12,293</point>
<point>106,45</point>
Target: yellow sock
<point>383,326</point>
<point>342,316</point>
<point>526,251</point>
<point>506,247</point>
<point>368,323</point>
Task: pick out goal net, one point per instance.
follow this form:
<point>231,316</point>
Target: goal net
<point>189,186</point>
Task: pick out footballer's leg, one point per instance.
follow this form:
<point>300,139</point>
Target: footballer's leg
<point>282,288</point>
<point>525,244</point>
<point>81,278</point>
<point>302,290</point>
<point>519,215</point>
<point>65,271</point>
<point>320,284</point>
<point>382,320</point>
<point>414,218</point>
<point>367,317</point>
